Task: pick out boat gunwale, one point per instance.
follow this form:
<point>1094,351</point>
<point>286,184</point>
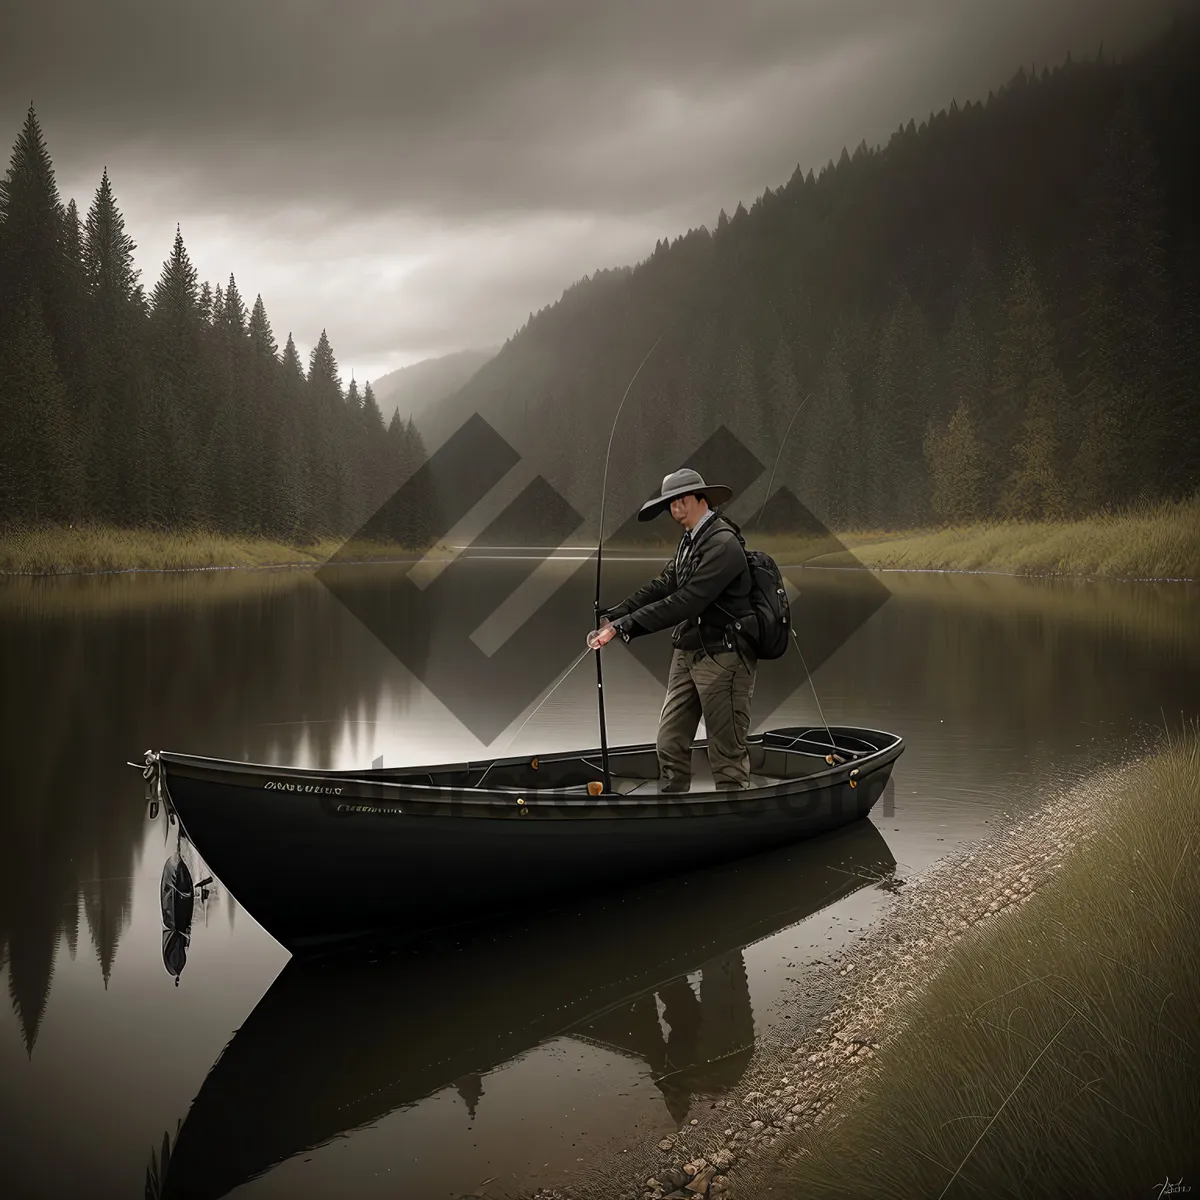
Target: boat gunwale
<point>546,797</point>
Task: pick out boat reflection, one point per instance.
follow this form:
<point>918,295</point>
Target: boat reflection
<point>338,1042</point>
<point>178,895</point>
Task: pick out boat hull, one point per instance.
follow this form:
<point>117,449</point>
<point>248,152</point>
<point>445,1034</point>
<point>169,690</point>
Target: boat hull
<point>438,1016</point>
<point>317,857</point>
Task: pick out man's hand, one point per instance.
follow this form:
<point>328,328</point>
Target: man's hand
<point>602,636</point>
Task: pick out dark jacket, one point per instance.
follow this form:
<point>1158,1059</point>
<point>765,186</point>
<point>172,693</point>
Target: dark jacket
<point>701,599</point>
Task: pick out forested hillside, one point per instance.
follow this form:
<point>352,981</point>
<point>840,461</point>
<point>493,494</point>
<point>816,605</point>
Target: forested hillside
<point>997,313</point>
<point>411,391</point>
<point>169,410</point>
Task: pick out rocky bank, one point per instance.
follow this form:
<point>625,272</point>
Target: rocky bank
<point>793,1085</point>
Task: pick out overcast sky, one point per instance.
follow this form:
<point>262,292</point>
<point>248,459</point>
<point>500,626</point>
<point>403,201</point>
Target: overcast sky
<point>417,177</point>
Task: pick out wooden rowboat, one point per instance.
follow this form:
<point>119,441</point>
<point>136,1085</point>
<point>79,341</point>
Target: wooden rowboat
<point>320,856</point>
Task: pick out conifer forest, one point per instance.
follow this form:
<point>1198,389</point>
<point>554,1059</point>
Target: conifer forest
<point>998,310</point>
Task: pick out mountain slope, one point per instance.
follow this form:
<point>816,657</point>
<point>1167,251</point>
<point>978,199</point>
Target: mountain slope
<point>415,388</point>
<point>1029,266</point>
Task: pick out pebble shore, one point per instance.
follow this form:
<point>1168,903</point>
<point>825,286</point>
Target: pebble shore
<point>793,1086</point>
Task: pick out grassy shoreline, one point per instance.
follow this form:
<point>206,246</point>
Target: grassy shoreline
<point>1055,1050</point>
<point>1160,543</point>
<point>59,550</point>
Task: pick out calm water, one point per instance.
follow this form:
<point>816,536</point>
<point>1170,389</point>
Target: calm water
<point>511,1058</point>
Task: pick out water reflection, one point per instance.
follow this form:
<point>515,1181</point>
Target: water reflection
<point>655,973</point>
<point>97,671</point>
<point>269,667</point>
<point>997,685</point>
<point>709,1037</point>
<point>178,893</point>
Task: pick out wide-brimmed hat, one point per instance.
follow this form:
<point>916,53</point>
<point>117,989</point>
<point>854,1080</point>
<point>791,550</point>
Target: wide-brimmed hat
<point>683,483</point>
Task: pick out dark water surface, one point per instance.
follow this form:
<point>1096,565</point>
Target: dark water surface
<point>511,1056</point>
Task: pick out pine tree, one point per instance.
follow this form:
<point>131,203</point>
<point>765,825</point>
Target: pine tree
<point>372,417</point>
<point>375,450</point>
<point>1029,402</point>
<point>72,353</point>
<point>966,358</point>
<point>32,235</point>
<point>290,469</point>
<point>742,408</point>
<point>905,384</point>
<point>262,337</point>
<point>327,438</point>
<point>40,468</point>
<point>356,470</point>
<point>426,515</point>
<point>1035,489</point>
<point>398,510</point>
<point>227,458</point>
<point>783,395</point>
<point>108,250</point>
<point>205,303</point>
<point>1180,469</point>
<point>119,438</point>
<point>956,468</point>
<point>1127,419</point>
<point>176,359</point>
<point>263,417</point>
<point>823,432</point>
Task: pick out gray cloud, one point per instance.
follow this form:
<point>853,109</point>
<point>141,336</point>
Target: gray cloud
<point>419,176</point>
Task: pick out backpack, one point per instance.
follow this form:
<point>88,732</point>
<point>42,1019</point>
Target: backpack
<point>768,598</point>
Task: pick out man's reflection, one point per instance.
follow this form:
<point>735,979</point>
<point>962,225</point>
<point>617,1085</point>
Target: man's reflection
<point>695,1033</point>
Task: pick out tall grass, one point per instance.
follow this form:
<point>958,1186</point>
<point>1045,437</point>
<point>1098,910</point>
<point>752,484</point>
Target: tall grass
<point>1160,541</point>
<point>59,549</point>
<point>1058,1052</point>
<point>1150,541</point>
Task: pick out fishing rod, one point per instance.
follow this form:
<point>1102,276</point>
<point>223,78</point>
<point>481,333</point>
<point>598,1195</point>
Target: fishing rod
<point>599,556</point>
<point>596,602</point>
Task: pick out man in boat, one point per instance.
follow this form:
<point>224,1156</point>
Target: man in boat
<point>703,591</point>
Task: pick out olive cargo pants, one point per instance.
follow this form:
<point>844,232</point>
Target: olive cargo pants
<point>718,687</point>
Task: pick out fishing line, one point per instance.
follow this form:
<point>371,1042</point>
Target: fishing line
<point>808,676</point>
<point>596,602</point>
<point>600,555</point>
<point>608,452</point>
<point>550,693</point>
<point>532,715</point>
<point>600,552</point>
